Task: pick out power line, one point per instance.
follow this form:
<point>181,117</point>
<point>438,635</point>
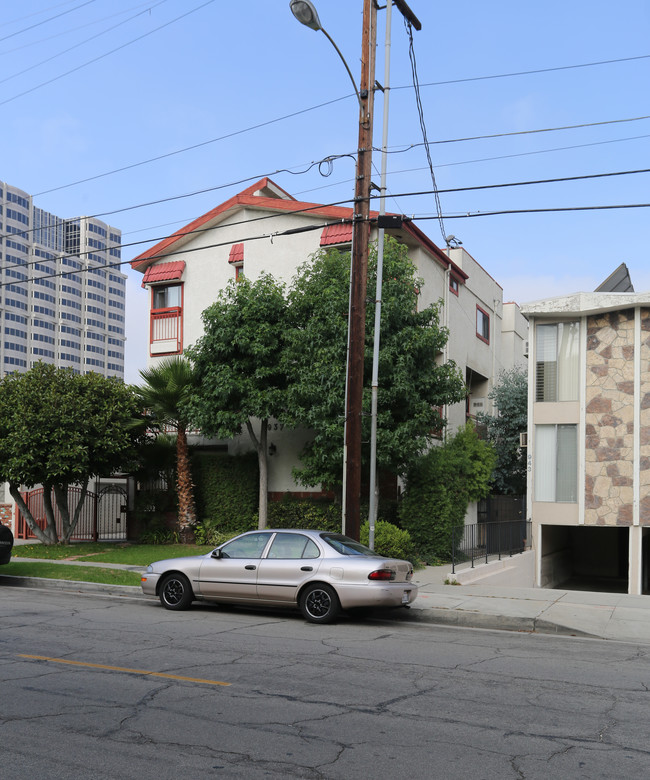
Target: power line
<point>423,126</point>
<point>40,41</point>
<point>520,132</point>
<point>412,193</point>
<point>106,54</point>
<point>530,72</point>
<point>554,209</point>
<point>302,229</point>
<point>45,21</point>
<point>195,146</point>
<point>81,43</point>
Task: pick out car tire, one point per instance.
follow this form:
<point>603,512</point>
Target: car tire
<point>319,603</point>
<point>176,592</point>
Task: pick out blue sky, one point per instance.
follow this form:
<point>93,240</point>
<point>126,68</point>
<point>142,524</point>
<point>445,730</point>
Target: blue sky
<point>130,81</point>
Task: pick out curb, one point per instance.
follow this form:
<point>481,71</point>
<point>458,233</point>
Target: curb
<point>72,586</point>
<point>431,615</point>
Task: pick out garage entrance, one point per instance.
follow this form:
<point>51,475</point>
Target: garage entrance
<point>585,558</point>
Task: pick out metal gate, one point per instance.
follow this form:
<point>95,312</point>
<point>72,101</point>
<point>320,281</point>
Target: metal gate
<point>103,515</point>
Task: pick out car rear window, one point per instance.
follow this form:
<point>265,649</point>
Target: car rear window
<point>346,546</point>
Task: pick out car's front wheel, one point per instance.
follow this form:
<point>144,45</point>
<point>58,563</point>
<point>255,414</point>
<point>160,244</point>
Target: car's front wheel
<point>319,603</point>
<point>176,592</point>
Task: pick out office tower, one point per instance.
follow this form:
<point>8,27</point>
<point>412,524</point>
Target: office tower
<point>63,295</point>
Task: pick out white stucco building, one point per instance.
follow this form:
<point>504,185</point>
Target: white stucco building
<point>264,229</point>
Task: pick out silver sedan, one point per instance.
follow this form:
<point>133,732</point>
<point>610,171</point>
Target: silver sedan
<point>317,571</point>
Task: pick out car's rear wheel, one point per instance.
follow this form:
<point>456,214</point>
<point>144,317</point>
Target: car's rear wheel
<point>319,603</point>
<point>176,592</point>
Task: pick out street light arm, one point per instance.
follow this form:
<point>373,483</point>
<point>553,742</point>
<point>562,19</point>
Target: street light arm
<point>338,51</point>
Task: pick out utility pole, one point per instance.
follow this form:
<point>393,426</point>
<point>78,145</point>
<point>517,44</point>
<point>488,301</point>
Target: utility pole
<point>359,274</point>
<point>359,270</point>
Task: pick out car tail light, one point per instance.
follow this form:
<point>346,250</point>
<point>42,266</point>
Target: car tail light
<point>381,574</point>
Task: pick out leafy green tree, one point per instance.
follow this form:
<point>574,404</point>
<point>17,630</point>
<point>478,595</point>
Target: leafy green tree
<point>440,487</point>
<point>413,382</point>
<point>168,385</point>
<point>510,397</point>
<point>57,429</point>
<point>238,362</point>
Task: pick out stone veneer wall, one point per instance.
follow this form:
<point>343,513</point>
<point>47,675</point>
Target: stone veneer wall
<point>609,431</point>
<point>644,420</point>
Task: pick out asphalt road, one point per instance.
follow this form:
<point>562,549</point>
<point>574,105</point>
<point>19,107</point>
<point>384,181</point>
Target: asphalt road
<point>106,688</point>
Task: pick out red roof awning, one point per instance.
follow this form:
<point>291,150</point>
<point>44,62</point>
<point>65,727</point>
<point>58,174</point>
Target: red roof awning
<point>236,253</point>
<point>164,272</point>
<point>339,233</point>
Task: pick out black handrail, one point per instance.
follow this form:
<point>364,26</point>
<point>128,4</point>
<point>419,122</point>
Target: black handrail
<point>480,541</point>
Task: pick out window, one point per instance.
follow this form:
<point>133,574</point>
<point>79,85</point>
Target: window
<point>556,463</point>
<point>557,348</point>
<point>453,284</point>
<point>166,325</point>
<point>482,325</point>
<point>166,297</point>
<point>293,546</point>
<point>249,546</point>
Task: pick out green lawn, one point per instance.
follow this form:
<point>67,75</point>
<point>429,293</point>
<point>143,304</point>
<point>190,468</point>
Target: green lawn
<point>132,554</point>
<point>57,571</point>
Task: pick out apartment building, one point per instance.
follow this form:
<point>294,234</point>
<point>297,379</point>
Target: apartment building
<point>589,440</point>
<point>63,295</point>
<point>265,229</point>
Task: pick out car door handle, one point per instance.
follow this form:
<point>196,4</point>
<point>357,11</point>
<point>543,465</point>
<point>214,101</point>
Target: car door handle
<point>306,568</point>
<point>250,567</point>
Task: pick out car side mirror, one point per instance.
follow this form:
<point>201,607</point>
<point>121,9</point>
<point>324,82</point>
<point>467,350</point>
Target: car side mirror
<point>216,554</point>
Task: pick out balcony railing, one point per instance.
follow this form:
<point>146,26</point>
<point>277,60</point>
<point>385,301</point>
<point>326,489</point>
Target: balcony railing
<point>166,330</point>
<point>480,542</point>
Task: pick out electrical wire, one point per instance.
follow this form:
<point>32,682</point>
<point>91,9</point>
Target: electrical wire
<point>423,127</point>
<point>40,41</point>
<point>329,159</point>
<point>81,43</point>
<point>529,72</point>
<point>106,54</point>
<point>308,228</point>
<point>45,21</point>
<point>195,146</point>
<point>315,207</point>
<point>518,132</point>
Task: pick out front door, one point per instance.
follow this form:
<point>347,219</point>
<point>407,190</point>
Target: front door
<point>233,576</point>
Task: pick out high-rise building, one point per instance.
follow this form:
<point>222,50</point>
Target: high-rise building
<point>62,293</point>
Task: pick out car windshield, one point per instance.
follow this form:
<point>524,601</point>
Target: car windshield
<point>346,546</point>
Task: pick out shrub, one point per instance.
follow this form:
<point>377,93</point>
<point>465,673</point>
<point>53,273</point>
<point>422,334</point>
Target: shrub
<point>439,489</point>
<point>225,490</point>
<point>208,531</point>
<point>391,541</point>
<point>319,514</point>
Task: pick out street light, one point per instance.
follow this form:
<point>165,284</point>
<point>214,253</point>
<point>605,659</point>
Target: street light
<point>306,14</point>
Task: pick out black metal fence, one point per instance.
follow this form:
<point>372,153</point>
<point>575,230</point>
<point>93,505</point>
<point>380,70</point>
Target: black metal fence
<point>479,542</point>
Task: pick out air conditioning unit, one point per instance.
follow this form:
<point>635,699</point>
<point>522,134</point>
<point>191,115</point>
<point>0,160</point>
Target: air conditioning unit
<point>523,439</point>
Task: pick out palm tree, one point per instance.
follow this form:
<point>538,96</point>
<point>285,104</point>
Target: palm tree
<point>167,384</point>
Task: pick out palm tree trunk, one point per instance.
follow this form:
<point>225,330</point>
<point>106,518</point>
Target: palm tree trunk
<point>185,489</point>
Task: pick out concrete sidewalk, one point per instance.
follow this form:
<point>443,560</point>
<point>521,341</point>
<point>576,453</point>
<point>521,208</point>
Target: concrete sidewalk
<point>614,616</point>
<point>571,613</point>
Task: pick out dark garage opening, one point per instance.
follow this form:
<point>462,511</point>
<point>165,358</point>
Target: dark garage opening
<point>585,558</point>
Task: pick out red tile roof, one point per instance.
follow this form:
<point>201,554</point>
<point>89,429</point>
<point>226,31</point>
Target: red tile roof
<point>236,253</point>
<point>338,233</point>
<point>279,201</point>
<point>164,272</point>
